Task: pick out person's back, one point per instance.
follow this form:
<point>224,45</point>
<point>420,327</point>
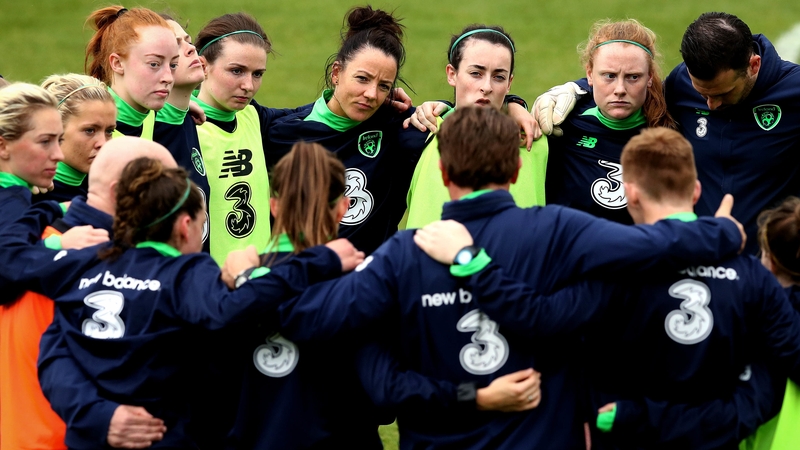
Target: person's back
<point>675,336</point>
<point>678,336</point>
<point>442,333</point>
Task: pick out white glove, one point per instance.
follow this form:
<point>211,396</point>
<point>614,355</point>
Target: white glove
<point>551,108</point>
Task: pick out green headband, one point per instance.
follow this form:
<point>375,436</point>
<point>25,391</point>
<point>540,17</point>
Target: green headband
<point>200,52</point>
<point>74,91</point>
<point>626,42</point>
<point>479,30</point>
<point>176,207</point>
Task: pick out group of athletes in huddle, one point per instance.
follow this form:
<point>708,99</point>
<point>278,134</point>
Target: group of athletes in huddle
<point>504,325</point>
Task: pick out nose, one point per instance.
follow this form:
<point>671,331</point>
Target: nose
<point>167,76</point>
<point>371,91</point>
<point>619,87</point>
<point>247,84</point>
<point>100,141</point>
<point>57,155</point>
<point>486,86</point>
<point>713,103</point>
<point>190,49</point>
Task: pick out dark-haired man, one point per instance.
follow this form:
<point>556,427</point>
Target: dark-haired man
<point>738,104</point>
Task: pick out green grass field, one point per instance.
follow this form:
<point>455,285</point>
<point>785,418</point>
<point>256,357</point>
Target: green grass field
<point>41,37</point>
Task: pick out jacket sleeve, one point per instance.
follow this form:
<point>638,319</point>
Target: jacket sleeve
<point>390,386</point>
<point>71,394</point>
<point>720,423</point>
<point>348,303</point>
<point>520,308</point>
<point>26,264</point>
<point>202,298</point>
<point>585,244</point>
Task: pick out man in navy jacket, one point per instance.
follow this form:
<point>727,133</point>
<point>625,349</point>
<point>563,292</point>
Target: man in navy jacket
<point>441,333</point>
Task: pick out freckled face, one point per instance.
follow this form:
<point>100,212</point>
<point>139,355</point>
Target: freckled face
<point>619,78</point>
<point>144,78</point>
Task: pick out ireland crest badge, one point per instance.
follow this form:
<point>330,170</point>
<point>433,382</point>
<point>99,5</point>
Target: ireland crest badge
<point>369,143</point>
<point>767,116</point>
<point>197,162</point>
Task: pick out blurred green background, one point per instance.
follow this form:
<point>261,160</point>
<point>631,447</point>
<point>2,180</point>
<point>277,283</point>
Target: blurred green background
<point>41,37</point>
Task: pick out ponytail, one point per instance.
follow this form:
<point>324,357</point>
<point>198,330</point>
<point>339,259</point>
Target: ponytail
<point>308,182</point>
<point>367,27</point>
<point>115,32</point>
<point>149,199</point>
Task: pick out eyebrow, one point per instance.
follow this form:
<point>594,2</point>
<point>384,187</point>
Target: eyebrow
<point>243,66</point>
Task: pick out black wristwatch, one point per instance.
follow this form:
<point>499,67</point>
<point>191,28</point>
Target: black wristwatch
<point>242,277</point>
<point>466,255</point>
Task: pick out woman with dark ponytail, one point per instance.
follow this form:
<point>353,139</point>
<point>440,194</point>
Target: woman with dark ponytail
<point>284,404</point>
<point>128,318</point>
<point>352,120</point>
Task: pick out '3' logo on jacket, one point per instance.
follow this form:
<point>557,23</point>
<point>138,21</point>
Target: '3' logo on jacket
<point>237,163</point>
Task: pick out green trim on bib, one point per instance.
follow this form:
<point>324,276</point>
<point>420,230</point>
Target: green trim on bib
<point>214,113</point>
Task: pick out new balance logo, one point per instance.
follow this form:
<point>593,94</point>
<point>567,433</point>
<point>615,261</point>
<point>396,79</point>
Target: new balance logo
<point>588,142</point>
<point>237,163</point>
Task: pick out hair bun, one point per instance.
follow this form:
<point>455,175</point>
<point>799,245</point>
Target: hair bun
<point>365,18</point>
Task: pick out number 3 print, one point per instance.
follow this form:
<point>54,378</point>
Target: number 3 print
<point>105,323</point>
<point>489,349</point>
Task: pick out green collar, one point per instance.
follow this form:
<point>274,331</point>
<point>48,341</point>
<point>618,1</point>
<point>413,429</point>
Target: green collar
<point>171,115</point>
<point>321,113</point>
<point>161,247</point>
<point>636,119</point>
<point>683,216</point>
<point>447,113</point>
<point>125,112</point>
<point>284,245</point>
<point>68,175</point>
<point>8,180</point>
<point>474,194</point>
<point>214,113</point>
